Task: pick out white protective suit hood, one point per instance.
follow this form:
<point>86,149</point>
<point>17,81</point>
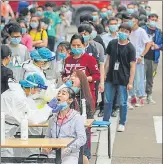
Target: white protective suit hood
<point>14,86</point>
<point>29,68</point>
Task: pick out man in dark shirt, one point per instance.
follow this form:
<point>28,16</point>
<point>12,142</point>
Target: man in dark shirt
<point>6,73</point>
<point>119,73</point>
<point>153,55</point>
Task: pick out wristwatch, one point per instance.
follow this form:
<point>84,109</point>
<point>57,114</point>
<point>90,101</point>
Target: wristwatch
<point>142,56</point>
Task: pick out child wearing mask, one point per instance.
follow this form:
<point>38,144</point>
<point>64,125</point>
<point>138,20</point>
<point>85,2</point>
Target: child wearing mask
<point>63,51</point>
<point>26,38</point>
<point>56,67</point>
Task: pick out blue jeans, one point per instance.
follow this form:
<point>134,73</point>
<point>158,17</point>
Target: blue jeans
<point>108,99</point>
<point>139,87</point>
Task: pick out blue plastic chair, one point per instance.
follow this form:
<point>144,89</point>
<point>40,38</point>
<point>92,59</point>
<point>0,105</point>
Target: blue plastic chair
<point>102,124</point>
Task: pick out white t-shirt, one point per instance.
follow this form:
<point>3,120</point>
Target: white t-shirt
<point>19,55</point>
<point>139,38</point>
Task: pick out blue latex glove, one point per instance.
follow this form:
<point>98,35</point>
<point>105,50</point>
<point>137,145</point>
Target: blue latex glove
<point>57,107</point>
<point>60,107</point>
<point>53,103</point>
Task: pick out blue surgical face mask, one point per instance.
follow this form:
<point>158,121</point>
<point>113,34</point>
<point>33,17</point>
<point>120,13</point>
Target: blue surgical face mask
<point>63,9</point>
<point>24,30</point>
<point>95,18</point>
<point>68,83</point>
<point>131,23</point>
<point>148,12</point>
<point>62,55</point>
<point>104,15</point>
<point>77,51</point>
<point>110,12</point>
<point>153,24</point>
<point>15,40</point>
<point>75,89</point>
<point>48,12</point>
<point>122,36</point>
<point>130,11</point>
<point>2,26</point>
<point>34,25</point>
<point>93,34</point>
<point>39,13</point>
<point>86,38</point>
<point>63,106</point>
<point>113,28</point>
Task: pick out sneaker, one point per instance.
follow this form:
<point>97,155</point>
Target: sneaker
<point>101,113</point>
<point>145,97</point>
<point>133,100</point>
<point>114,113</point>
<point>150,100</point>
<point>140,103</point>
<point>121,128</point>
<point>130,106</point>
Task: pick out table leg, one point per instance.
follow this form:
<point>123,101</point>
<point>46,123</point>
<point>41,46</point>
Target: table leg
<point>109,142</point>
<point>58,156</point>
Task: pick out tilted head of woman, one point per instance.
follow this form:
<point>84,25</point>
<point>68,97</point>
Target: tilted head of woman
<point>66,95</point>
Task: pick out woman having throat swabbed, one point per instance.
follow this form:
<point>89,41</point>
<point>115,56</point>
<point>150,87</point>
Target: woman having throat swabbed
<point>67,123</point>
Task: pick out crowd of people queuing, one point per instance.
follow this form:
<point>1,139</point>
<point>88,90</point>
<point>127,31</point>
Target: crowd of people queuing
<point>115,54</point>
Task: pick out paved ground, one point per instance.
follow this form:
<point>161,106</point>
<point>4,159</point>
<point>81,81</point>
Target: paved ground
<point>141,143</point>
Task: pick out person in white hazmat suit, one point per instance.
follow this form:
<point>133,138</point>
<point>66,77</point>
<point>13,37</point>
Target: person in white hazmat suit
<point>15,102</point>
<point>41,61</point>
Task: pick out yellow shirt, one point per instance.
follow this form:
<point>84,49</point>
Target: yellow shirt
<point>36,36</point>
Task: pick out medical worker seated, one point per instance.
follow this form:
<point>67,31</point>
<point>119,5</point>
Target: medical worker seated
<point>16,101</point>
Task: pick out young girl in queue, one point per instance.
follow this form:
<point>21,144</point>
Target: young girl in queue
<point>63,51</point>
<point>67,123</point>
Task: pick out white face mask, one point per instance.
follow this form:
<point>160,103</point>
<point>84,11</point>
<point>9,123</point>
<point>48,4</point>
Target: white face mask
<point>35,96</point>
